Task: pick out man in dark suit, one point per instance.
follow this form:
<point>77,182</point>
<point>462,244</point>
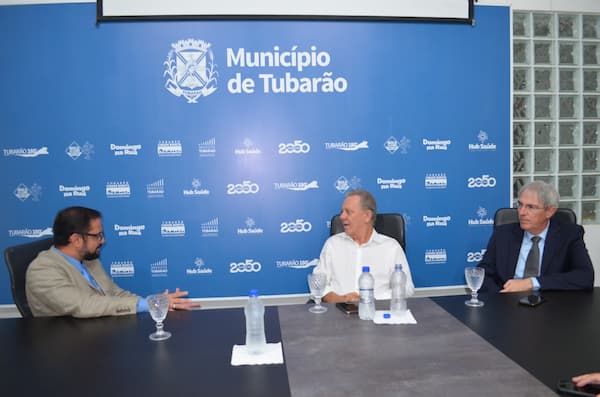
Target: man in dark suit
<point>536,253</point>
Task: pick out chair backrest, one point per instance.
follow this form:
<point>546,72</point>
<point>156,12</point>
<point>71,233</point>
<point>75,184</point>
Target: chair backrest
<point>510,215</point>
<point>392,225</point>
<point>17,260</point>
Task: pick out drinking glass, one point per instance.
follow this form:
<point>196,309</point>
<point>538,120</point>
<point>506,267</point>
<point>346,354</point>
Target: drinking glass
<point>316,283</point>
<point>158,305</point>
<point>474,276</point>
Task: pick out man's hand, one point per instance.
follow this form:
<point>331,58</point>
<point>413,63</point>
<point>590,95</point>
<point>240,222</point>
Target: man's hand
<point>515,285</point>
<point>177,302</point>
<point>333,297</point>
<point>587,379</point>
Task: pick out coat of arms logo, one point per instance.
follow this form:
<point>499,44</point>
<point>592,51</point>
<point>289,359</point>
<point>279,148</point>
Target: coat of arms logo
<point>191,70</point>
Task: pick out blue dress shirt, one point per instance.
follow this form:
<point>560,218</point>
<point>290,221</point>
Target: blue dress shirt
<point>525,248</point>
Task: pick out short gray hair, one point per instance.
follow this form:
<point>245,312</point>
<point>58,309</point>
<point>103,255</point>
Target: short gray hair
<point>545,191</point>
<point>367,202</point>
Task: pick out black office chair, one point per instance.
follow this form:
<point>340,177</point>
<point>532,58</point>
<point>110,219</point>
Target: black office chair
<point>17,260</point>
<point>392,225</point>
<point>509,215</point>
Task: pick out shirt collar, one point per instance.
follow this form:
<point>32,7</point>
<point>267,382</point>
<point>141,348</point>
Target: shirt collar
<point>374,239</point>
<point>542,234</point>
<point>70,259</point>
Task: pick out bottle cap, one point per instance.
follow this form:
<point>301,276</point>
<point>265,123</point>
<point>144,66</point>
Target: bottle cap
<point>253,293</point>
<point>386,315</point>
<point>366,269</point>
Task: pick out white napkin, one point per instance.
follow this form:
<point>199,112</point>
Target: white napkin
<point>404,318</point>
<point>273,354</point>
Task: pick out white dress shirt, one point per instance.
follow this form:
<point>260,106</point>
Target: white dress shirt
<point>342,260</point>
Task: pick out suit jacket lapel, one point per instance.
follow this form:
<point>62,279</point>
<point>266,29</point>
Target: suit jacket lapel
<point>516,241</point>
<point>78,277</point>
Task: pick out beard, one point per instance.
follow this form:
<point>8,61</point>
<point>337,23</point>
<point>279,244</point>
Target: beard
<point>90,256</point>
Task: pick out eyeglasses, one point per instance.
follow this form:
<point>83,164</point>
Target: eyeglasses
<point>529,207</point>
<point>97,236</point>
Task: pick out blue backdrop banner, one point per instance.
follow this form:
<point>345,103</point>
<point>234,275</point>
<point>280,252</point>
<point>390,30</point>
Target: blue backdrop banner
<point>218,151</point>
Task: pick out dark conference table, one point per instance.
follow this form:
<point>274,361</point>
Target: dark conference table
<point>454,350</point>
<point>565,329</point>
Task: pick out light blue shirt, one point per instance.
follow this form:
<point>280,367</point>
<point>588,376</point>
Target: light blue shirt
<point>526,245</point>
<point>142,304</point>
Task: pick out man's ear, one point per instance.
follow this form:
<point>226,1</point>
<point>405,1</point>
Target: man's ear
<point>75,238</point>
<point>370,217</point>
<point>550,211</point>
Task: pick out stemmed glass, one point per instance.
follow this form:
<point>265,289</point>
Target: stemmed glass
<point>158,305</point>
<point>316,283</point>
<point>474,276</point>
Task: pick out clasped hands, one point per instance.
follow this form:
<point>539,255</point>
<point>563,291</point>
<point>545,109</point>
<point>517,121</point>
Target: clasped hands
<point>515,285</point>
<point>178,302</point>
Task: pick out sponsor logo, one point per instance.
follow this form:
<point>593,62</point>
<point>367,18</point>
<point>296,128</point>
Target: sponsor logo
<point>198,269</point>
<point>392,145</point>
<point>436,181</point>
<point>395,183</point>
<point>30,233</point>
<point>122,269</point>
<point>250,228</point>
<point>436,221</point>
<point>22,192</point>
<point>172,229</point>
<point>191,70</point>
<point>125,150</point>
<point>347,146</point>
<point>296,263</point>
<point>160,268</point>
<point>247,266</point>
<point>129,230</point>
<point>169,148</point>
<point>437,144</point>
<point>246,187</point>
<point>482,145</point>
<point>297,226</point>
<point>483,181</point>
<point>476,256</point>
<point>435,256</point>
<point>208,148</point>
<point>296,147</point>
<point>156,189</point>
<point>296,186</point>
<point>210,228</point>
<point>26,152</point>
<point>481,220</point>
<point>342,184</point>
<point>248,149</point>
<point>75,151</point>
<point>118,189</point>
<point>196,190</point>
<point>74,191</point>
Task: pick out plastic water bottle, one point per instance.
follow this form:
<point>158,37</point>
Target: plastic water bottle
<point>398,287</point>
<point>256,341</point>
<point>366,302</point>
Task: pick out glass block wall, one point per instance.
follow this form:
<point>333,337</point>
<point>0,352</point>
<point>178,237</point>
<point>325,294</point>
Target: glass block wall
<point>556,106</point>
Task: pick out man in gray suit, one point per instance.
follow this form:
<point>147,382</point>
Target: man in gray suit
<point>69,280</point>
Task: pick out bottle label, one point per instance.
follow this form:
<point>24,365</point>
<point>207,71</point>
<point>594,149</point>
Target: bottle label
<point>366,295</point>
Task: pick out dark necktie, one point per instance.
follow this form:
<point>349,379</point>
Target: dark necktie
<point>532,263</point>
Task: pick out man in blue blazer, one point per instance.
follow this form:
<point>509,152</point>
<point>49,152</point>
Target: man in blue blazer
<point>562,259</point>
